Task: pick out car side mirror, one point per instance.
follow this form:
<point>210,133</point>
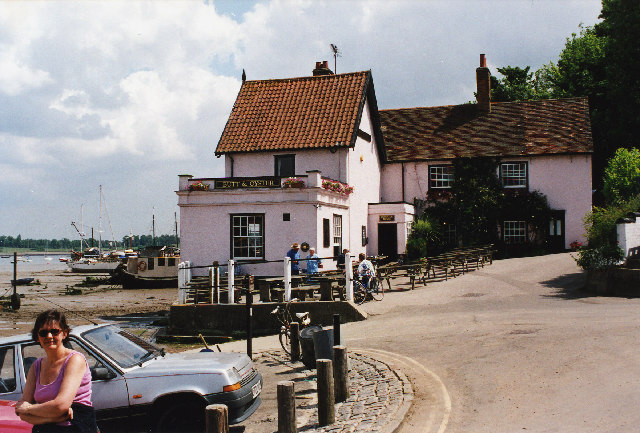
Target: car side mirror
<point>102,373</point>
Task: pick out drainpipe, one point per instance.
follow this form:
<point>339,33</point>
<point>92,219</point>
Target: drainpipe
<point>402,165</point>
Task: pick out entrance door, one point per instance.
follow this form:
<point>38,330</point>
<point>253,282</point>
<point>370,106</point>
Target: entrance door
<point>388,240</point>
<point>556,232</point>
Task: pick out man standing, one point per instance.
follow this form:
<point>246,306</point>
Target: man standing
<point>294,255</point>
<point>313,261</point>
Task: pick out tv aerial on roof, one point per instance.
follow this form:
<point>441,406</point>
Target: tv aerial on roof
<point>336,54</point>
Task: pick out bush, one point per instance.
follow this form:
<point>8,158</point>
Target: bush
<point>622,176</point>
<point>603,250</point>
<point>425,237</point>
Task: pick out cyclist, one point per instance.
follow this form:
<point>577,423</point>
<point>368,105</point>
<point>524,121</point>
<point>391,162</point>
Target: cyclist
<point>366,271</point>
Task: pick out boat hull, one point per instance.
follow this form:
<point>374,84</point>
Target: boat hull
<point>96,268</point>
<point>131,281</point>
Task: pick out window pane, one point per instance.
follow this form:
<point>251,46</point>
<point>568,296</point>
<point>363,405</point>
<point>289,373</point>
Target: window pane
<point>440,176</point>
<point>7,370</point>
<point>515,232</point>
<point>514,174</point>
<point>285,165</point>
<point>247,236</point>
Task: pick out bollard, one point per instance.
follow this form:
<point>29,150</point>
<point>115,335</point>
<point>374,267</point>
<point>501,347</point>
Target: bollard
<point>326,396</point>
<point>340,373</point>
<point>286,407</point>
<point>294,340</point>
<point>216,418</point>
<point>336,330</point>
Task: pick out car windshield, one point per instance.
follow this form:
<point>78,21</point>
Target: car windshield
<point>125,349</point>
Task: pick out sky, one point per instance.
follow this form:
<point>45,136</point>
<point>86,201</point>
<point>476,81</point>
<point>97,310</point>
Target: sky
<point>129,95</point>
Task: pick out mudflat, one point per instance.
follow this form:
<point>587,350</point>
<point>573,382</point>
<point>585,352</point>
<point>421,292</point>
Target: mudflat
<point>62,289</point>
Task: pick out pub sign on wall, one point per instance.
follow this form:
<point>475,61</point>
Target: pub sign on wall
<point>386,218</point>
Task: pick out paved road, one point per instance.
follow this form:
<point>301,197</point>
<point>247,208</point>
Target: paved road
<point>514,346</point>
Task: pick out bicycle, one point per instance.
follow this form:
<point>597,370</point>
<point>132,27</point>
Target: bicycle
<point>361,293</point>
<point>283,315</point>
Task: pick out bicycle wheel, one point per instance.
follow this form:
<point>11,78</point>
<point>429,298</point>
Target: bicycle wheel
<point>359,292</point>
<point>376,290</point>
<point>284,340</point>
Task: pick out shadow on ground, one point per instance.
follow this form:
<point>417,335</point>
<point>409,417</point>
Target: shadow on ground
<point>568,286</point>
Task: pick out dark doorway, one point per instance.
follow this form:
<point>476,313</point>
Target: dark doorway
<point>556,232</point>
<point>388,240</point>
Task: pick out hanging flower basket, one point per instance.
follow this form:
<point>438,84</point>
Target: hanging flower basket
<point>199,186</point>
<point>293,182</point>
<point>339,187</point>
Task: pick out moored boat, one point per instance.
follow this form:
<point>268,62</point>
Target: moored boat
<point>154,267</point>
<point>92,261</point>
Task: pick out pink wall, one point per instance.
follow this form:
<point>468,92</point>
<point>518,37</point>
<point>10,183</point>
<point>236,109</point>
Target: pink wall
<point>564,179</point>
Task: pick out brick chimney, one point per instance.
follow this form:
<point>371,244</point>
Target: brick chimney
<point>322,68</point>
<point>483,80</point>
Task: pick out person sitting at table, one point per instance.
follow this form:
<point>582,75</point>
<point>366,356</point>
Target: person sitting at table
<point>313,261</point>
<point>294,255</point>
<point>366,271</point>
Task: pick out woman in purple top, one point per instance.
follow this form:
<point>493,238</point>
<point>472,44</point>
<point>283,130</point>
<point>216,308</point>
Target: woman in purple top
<point>57,395</point>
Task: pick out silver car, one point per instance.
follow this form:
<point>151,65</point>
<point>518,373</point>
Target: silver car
<point>137,386</point>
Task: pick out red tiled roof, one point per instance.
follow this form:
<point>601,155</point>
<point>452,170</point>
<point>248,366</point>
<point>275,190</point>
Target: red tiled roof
<point>548,126</point>
<point>296,113</point>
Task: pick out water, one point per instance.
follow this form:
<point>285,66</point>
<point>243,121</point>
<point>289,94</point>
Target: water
<point>37,263</point>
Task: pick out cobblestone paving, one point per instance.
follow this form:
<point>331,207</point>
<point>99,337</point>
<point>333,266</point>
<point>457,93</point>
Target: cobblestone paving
<point>378,402</point>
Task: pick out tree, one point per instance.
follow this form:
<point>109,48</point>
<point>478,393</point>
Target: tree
<point>516,84</point>
<point>622,176</point>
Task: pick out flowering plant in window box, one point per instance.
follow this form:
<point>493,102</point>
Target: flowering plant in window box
<point>199,186</point>
<point>293,182</point>
<point>335,186</point>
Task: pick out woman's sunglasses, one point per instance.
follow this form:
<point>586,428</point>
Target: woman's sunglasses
<point>44,332</point>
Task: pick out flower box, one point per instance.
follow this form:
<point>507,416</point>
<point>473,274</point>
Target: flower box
<point>293,182</point>
<point>339,187</point>
<point>199,186</point>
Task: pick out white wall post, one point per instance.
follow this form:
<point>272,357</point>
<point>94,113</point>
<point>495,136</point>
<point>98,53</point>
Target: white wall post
<point>286,279</point>
<point>348,276</point>
<point>184,277</point>
<point>231,270</point>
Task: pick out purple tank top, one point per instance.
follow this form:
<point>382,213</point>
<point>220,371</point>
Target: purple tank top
<point>44,393</point>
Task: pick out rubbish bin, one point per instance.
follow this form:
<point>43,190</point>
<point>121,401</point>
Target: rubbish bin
<point>323,343</point>
<point>306,345</point>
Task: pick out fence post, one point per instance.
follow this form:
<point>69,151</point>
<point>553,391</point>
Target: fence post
<point>182,287</point>
<point>336,330</point>
<point>248,282</point>
<point>287,279</point>
<point>286,407</point>
<point>215,287</point>
<point>230,277</point>
<point>326,396</point>
<point>348,277</point>
<point>216,418</point>
<point>294,340</point>
<point>340,373</point>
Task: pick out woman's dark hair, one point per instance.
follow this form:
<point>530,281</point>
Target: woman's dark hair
<point>361,256</point>
<point>46,317</point>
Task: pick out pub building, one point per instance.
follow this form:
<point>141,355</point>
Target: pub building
<point>312,160</point>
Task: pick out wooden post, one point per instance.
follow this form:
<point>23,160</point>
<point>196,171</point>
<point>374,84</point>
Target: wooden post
<point>326,396</point>
<point>336,330</point>
<point>294,340</point>
<point>215,289</point>
<point>340,373</point>
<point>216,418</point>
<point>15,298</point>
<point>247,286</point>
<point>286,407</point>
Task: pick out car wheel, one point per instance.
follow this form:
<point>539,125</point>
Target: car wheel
<point>180,415</point>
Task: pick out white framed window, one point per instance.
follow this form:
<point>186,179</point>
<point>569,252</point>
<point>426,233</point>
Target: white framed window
<point>515,232</point>
<point>514,174</point>
<point>441,176</point>
<point>247,236</point>
<point>337,234</point>
<point>450,234</point>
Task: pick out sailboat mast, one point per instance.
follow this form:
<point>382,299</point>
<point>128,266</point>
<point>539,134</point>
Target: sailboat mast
<point>175,219</point>
<point>153,227</point>
<point>100,223</point>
